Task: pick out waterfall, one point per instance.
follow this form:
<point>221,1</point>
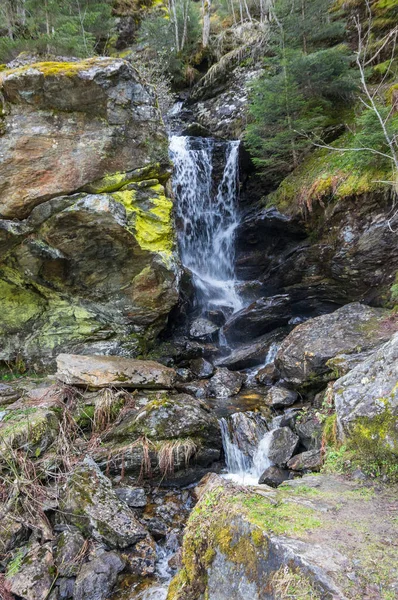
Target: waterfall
<point>245,439</point>
<point>207,216</point>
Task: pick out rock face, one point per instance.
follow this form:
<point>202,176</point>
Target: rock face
<point>86,233</point>
<point>281,544</point>
<point>366,401</point>
<point>259,317</point>
<point>113,371</point>
<point>303,355</point>
<point>90,503</point>
<point>282,445</point>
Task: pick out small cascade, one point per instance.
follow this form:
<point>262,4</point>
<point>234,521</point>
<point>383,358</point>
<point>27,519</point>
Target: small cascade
<point>245,439</point>
<point>207,216</point>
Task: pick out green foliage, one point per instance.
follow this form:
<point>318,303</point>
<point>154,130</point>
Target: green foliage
<point>71,27</point>
<point>305,88</point>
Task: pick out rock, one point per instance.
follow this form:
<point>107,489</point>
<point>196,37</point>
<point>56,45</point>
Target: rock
<point>253,354</point>
<point>309,431</point>
<point>201,368</point>
<point>353,328</point>
<point>366,401</point>
<point>268,375</point>
<point>170,417</point>
<point>279,396</point>
<point>67,550</point>
<point>245,430</point>
<point>141,560</point>
<point>274,476</point>
<point>8,394</point>
<point>12,532</point>
<point>98,577</point>
<point>30,573</point>
<point>282,445</point>
<point>283,541</point>
<point>86,231</point>
<point>225,383</point>
<point>306,461</point>
<point>156,527</point>
<point>113,371</point>
<point>133,497</point>
<point>198,389</point>
<point>89,502</point>
<point>258,318</point>
<point>66,587</point>
<point>31,429</point>
<point>204,330</point>
<point>184,375</point>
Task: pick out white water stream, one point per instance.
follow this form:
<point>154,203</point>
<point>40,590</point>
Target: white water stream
<point>207,217</point>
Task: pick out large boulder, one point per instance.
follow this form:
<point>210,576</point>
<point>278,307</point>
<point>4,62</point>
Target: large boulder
<point>353,328</point>
<point>282,443</point>
<point>98,577</point>
<point>86,231</point>
<point>30,573</point>
<point>113,371</point>
<point>225,383</point>
<point>89,502</point>
<point>258,352</point>
<point>366,401</point>
<point>258,318</point>
<point>281,544</point>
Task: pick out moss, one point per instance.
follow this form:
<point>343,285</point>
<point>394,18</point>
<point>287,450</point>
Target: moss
<point>327,176</point>
<point>152,227</point>
<point>52,69</point>
<point>18,306</point>
<point>115,181</point>
<point>15,564</point>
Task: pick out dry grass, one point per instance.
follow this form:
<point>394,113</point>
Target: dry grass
<point>171,452</point>
<point>289,583</point>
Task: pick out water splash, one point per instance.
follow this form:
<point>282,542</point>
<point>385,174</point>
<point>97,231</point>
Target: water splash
<point>246,440</point>
<point>207,217</point>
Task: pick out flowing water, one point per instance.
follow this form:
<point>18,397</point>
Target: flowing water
<point>245,439</point>
<point>207,216</point>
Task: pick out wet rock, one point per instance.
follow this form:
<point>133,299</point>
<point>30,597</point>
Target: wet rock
<point>309,431</point>
<point>274,476</point>
<point>258,318</point>
<point>225,383</point>
<point>268,375</point>
<point>156,527</point>
<point>366,403</point>
<point>202,368</point>
<point>98,577</point>
<point>279,396</point>
<point>113,371</point>
<point>198,389</point>
<point>306,461</point>
<point>289,417</point>
<point>141,560</point>
<point>245,430</point>
<point>253,354</point>
<point>67,550</point>
<point>30,574</point>
<point>204,330</point>
<point>184,375</point>
<point>89,502</point>
<point>133,497</point>
<point>303,355</point>
<point>282,445</point>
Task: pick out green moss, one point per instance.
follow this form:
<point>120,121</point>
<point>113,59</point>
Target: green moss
<point>115,181</point>
<point>65,69</point>
<point>151,225</point>
<point>327,176</point>
<point>15,564</point>
<point>18,306</point>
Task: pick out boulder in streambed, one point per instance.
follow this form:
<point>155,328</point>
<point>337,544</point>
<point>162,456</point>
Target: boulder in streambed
<point>258,318</point>
<point>202,368</point>
<point>311,460</point>
<point>89,502</point>
<point>281,544</point>
<point>282,445</point>
<point>274,476</point>
<point>253,354</point>
<point>113,371</point>
<point>366,401</point>
<point>279,396</point>
<point>304,353</point>
<point>203,330</point>
<point>225,383</point>
<point>98,577</point>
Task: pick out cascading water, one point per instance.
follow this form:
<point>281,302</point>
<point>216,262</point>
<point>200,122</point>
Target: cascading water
<point>207,216</point>
<point>245,439</point>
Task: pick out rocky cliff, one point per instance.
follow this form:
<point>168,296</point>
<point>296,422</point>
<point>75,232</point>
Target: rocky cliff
<point>87,257</point>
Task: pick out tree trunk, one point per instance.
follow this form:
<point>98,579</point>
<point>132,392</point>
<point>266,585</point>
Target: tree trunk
<point>206,6</point>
